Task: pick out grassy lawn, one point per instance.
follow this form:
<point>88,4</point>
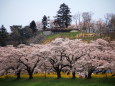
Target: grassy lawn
<point>73,35</point>
<point>58,82</point>
<point>70,35</point>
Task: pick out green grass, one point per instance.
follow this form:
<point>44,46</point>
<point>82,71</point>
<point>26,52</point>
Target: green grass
<point>58,82</point>
<point>63,35</point>
<point>71,35</point>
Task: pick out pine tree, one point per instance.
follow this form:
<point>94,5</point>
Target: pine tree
<point>44,22</point>
<point>33,26</point>
<point>63,18</point>
<point>3,36</point>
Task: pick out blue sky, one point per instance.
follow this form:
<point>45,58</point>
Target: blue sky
<point>22,12</point>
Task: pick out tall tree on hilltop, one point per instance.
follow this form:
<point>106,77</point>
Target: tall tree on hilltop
<point>63,18</point>
<point>44,22</point>
<point>33,26</point>
<point>3,36</point>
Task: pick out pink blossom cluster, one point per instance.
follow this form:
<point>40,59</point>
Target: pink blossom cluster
<point>60,55</point>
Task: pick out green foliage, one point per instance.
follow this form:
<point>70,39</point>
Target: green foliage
<point>33,26</point>
<point>21,35</point>
<point>26,32</point>
<point>3,36</point>
<point>58,82</point>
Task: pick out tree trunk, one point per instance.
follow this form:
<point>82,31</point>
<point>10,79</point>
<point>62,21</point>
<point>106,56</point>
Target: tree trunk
<point>89,74</point>
<point>18,75</point>
<point>30,75</point>
<point>45,74</point>
<point>58,74</point>
<point>73,75</point>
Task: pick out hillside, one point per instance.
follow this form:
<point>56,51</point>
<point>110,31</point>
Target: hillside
<point>73,35</point>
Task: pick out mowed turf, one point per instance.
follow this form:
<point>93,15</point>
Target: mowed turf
<point>58,82</point>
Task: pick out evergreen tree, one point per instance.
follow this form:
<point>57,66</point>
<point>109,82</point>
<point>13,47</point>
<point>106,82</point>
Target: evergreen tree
<point>3,36</point>
<point>44,22</point>
<point>33,26</point>
<point>16,36</point>
<point>26,32</point>
<point>63,18</point>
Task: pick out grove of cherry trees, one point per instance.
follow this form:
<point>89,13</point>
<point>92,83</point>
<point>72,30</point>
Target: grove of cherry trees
<point>60,55</point>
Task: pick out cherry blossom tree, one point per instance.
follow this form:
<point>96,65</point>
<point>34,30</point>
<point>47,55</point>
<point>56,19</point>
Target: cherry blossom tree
<point>58,60</point>
<point>45,65</point>
<point>3,59</point>
<point>59,55</point>
<point>99,56</point>
<point>74,52</point>
<point>10,60</point>
<point>31,58</point>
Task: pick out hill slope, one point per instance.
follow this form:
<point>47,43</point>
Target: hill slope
<point>73,35</point>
